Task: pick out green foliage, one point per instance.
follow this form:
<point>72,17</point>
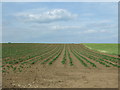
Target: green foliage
<point>103,47</point>
<point>71,63</point>
<point>18,56</point>
<point>64,58</point>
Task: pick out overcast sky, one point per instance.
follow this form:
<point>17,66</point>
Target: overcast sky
<point>60,22</point>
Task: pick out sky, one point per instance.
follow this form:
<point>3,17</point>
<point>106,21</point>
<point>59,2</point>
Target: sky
<point>60,0</point>
<point>60,22</point>
<point>1,22</point>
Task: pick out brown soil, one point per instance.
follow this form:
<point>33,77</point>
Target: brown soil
<point>60,75</point>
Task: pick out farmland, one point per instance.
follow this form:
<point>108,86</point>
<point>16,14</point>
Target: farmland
<point>110,48</point>
<point>57,65</point>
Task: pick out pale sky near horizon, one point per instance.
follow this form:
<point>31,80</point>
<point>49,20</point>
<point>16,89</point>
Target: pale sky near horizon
<point>60,22</point>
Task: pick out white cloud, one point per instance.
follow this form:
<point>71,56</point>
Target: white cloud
<point>97,31</point>
<point>60,1</point>
<point>58,27</point>
<point>90,31</point>
<point>47,16</point>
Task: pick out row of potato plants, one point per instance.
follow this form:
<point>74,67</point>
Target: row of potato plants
<point>97,58</point>
<point>17,50</point>
<point>93,57</point>
<point>66,53</point>
<point>30,55</point>
<point>64,58</point>
<point>104,56</point>
<point>81,61</point>
<point>34,60</point>
<point>21,60</point>
<point>84,58</point>
<point>55,58</point>
<point>70,58</point>
<point>51,56</point>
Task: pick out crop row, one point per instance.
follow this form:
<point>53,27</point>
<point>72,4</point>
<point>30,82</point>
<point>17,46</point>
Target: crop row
<point>34,60</point>
<point>99,59</point>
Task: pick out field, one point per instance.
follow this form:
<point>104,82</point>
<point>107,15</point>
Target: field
<point>33,65</point>
<point>109,48</point>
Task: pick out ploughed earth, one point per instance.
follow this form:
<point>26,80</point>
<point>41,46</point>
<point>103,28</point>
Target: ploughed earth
<point>58,75</point>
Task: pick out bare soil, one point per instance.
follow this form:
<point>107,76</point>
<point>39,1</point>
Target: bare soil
<point>60,75</point>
